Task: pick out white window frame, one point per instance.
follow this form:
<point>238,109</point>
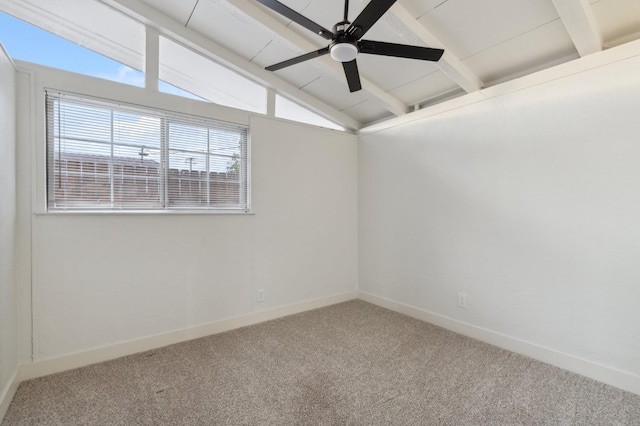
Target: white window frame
<point>244,206</point>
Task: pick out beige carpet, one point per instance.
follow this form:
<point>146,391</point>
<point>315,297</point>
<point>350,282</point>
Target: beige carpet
<point>352,363</point>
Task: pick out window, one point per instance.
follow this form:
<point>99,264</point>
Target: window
<point>200,76</point>
<point>292,111</point>
<point>165,87</point>
<point>29,43</point>
<point>107,156</point>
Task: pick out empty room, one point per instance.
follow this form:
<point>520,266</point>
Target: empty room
<point>261,212</point>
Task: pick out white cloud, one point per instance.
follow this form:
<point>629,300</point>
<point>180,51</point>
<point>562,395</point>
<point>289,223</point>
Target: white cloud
<point>125,75</point>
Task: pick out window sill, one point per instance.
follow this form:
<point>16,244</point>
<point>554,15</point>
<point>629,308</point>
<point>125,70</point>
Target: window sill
<point>143,213</point>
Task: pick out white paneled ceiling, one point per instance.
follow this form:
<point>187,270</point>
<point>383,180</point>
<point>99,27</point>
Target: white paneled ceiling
<point>222,22</point>
<point>618,19</point>
<point>426,87</point>
<point>178,10</point>
<point>528,51</point>
<point>485,42</point>
<point>471,26</point>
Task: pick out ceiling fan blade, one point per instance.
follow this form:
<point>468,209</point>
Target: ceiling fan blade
<point>353,77</point>
<point>298,59</point>
<point>368,17</point>
<point>287,12</point>
<point>399,50</point>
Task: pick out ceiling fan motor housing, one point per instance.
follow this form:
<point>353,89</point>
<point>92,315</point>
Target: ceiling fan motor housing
<point>343,48</point>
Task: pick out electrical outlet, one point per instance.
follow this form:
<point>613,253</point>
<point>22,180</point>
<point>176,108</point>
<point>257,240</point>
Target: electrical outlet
<point>260,296</point>
<point>462,300</point>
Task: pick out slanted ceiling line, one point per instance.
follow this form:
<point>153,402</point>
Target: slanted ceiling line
<point>580,22</point>
<point>260,51</point>
<point>192,12</point>
<point>167,26</point>
<point>384,99</point>
<point>449,64</point>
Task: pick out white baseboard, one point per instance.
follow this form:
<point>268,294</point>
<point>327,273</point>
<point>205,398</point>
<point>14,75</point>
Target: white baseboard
<point>618,378</point>
<point>81,359</point>
<point>8,392</point>
<point>611,376</point>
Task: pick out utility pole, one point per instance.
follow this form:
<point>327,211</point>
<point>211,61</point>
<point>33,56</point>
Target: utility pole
<point>191,161</point>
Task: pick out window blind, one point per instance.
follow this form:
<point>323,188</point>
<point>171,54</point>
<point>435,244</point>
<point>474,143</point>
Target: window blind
<point>103,155</point>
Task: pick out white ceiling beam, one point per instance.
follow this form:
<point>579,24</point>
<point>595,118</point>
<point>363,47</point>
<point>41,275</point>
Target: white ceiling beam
<point>265,17</point>
<point>167,26</point>
<point>449,64</point>
<point>581,24</point>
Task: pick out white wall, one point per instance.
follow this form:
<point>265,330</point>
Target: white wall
<point>529,203</point>
<point>103,279</point>
<point>8,289</point>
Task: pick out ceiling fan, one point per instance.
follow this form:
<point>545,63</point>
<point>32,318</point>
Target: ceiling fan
<point>346,39</point>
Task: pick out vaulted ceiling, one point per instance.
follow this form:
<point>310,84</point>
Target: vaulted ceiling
<point>486,42</point>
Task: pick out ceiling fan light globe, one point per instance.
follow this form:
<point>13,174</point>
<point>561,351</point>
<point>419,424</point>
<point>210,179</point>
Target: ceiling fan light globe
<point>344,52</point>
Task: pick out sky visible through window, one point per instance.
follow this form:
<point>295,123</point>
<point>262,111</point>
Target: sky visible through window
<point>29,43</point>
